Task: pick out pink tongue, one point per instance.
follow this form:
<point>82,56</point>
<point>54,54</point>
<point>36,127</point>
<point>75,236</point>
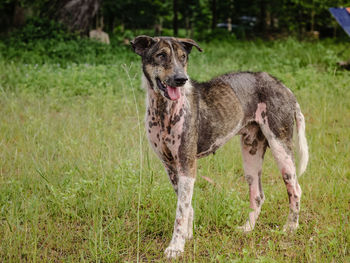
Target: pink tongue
<point>174,92</point>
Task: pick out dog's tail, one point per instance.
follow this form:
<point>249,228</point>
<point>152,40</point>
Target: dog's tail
<point>302,143</point>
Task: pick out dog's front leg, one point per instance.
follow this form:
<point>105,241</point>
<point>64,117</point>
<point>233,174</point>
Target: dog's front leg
<point>184,212</point>
<point>174,179</point>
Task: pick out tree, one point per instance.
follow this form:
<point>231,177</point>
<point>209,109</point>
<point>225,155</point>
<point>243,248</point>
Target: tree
<point>262,17</point>
<point>175,19</point>
<point>77,15</point>
<point>294,17</point>
<point>214,17</point>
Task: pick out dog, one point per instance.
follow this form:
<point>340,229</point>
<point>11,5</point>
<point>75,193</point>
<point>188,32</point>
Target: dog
<point>187,120</point>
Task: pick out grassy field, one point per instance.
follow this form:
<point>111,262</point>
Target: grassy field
<point>79,183</point>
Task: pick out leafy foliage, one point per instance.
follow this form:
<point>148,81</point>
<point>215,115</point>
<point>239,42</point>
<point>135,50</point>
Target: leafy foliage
<point>287,17</point>
<point>41,28</point>
<point>42,41</point>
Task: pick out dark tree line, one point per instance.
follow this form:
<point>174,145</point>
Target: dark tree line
<point>77,15</point>
<point>261,17</point>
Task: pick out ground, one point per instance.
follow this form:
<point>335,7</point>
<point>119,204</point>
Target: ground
<point>79,182</point>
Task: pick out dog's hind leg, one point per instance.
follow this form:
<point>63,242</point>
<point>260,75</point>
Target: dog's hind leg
<point>284,159</point>
<point>184,215</point>
<point>282,151</point>
<point>253,145</point>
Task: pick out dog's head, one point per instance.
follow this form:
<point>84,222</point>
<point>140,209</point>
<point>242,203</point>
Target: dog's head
<point>165,62</point>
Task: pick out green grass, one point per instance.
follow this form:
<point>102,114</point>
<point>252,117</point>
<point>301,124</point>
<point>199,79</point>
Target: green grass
<point>70,164</point>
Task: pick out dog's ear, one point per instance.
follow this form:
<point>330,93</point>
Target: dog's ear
<point>141,44</point>
<point>188,44</point>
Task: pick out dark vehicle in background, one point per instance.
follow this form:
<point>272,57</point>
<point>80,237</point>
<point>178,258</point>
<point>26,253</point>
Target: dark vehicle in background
<point>244,26</point>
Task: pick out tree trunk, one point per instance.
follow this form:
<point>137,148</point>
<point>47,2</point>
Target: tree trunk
<point>214,17</point>
<point>187,26</point>
<point>77,15</point>
<point>263,17</point>
<point>175,20</point>
<point>300,22</point>
<point>19,18</point>
<point>312,20</point>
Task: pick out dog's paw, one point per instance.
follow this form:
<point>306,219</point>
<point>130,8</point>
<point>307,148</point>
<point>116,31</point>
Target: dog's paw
<point>189,234</point>
<point>290,227</point>
<point>172,252</point>
<point>246,228</point>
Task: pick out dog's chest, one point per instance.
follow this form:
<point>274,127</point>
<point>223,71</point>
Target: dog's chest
<point>164,125</point>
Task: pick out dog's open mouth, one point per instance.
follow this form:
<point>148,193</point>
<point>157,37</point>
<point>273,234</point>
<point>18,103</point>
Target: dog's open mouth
<point>172,93</point>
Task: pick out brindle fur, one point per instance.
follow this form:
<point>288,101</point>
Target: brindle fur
<point>256,106</point>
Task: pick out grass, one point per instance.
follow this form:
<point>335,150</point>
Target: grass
<point>72,166</point>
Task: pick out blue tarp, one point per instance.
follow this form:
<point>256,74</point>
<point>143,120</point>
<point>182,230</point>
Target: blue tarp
<point>343,18</point>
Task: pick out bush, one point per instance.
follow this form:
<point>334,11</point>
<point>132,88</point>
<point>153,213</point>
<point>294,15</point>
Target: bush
<point>219,34</point>
<point>42,41</point>
<point>78,51</point>
<point>42,28</point>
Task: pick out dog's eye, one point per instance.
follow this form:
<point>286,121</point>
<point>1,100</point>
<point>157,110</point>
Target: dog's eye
<point>183,57</point>
<point>161,55</point>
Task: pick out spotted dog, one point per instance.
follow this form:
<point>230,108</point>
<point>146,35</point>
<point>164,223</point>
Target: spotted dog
<point>187,120</point>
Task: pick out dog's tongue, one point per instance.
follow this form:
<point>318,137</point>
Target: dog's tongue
<point>174,92</point>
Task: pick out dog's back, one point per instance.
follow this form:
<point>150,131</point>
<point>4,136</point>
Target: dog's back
<point>233,98</point>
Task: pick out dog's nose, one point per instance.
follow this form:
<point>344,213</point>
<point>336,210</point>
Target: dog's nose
<point>180,79</point>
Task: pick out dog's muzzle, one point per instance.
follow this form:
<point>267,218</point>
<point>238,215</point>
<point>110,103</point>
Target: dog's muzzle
<point>172,92</point>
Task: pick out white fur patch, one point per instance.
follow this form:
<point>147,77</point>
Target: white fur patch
<point>183,217</point>
<point>302,143</point>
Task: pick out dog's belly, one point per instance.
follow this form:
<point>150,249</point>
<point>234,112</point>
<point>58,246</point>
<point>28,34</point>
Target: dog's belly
<point>220,118</point>
<point>212,143</point>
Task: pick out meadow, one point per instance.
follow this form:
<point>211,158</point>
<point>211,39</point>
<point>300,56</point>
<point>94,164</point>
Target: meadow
<point>79,182</point>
